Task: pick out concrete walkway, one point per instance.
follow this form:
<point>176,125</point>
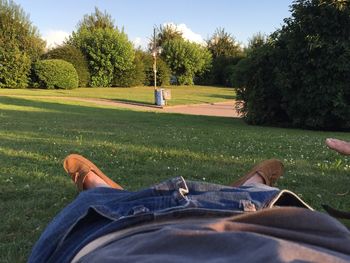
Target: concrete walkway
<point>220,109</point>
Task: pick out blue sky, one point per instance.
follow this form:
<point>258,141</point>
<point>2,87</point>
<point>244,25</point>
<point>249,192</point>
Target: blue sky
<point>198,18</point>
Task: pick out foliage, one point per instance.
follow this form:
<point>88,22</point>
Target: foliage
<point>20,44</point>
<point>96,20</point>
<point>74,56</point>
<point>226,52</point>
<point>256,41</point>
<point>186,59</point>
<point>220,73</point>
<point>165,33</point>
<point>108,50</point>
<point>163,71</point>
<point>223,44</point>
<point>254,76</point>
<point>301,76</point>
<point>56,73</point>
<point>14,67</point>
<point>16,28</point>
<point>135,76</point>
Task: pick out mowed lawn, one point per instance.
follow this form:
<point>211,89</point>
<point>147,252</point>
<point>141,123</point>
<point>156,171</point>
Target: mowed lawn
<point>180,94</point>
<point>138,149</point>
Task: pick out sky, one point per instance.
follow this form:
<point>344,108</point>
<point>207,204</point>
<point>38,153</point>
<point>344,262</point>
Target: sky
<point>197,19</point>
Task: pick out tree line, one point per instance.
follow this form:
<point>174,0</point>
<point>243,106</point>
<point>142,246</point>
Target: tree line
<point>298,76</point>
<point>102,55</point>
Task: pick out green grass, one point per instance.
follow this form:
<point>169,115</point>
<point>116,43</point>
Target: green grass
<point>138,149</point>
<point>180,94</point>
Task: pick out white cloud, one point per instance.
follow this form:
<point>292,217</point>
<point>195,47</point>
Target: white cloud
<point>187,33</point>
<point>140,42</point>
<point>54,38</point>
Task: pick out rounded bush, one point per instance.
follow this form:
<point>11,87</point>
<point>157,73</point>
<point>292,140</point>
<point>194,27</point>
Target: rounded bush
<point>72,55</point>
<point>55,73</point>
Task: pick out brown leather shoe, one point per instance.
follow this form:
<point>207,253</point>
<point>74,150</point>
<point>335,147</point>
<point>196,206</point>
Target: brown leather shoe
<point>269,170</point>
<point>78,167</point>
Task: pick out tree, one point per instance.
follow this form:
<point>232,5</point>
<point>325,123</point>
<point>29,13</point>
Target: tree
<point>74,56</point>
<point>108,50</point>
<point>165,33</point>
<point>163,71</point>
<point>256,41</point>
<point>135,76</point>
<point>186,59</point>
<point>223,44</point>
<point>308,67</point>
<point>97,20</point>
<point>226,52</point>
<point>20,45</point>
<point>14,67</point>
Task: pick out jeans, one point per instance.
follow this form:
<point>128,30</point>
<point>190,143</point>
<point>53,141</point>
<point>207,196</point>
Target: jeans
<point>102,210</point>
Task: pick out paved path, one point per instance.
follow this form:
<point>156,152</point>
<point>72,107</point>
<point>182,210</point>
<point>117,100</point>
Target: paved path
<point>221,109</point>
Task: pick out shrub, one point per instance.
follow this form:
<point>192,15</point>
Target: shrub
<point>20,45</point>
<point>106,48</point>
<point>163,71</point>
<point>74,56</point>
<point>186,60</point>
<point>134,76</point>
<point>254,77</point>
<point>55,73</point>
<point>14,67</point>
<point>301,76</point>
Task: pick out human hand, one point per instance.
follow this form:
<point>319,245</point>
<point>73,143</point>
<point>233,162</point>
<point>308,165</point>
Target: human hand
<point>340,146</point>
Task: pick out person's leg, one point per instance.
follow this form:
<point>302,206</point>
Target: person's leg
<point>255,179</point>
<point>85,174</point>
<point>266,172</point>
<point>340,146</point>
<point>92,180</point>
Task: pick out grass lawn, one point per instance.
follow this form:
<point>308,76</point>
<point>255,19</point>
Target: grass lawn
<point>180,94</point>
<point>138,149</point>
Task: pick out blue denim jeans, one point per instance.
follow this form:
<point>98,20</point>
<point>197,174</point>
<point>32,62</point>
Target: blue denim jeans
<point>101,210</point>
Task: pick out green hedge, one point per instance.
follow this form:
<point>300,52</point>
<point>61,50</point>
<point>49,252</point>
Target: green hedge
<point>301,76</point>
<point>55,73</point>
<point>14,67</point>
<point>74,56</point>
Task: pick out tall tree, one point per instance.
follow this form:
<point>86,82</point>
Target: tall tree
<point>186,60</point>
<point>20,44</point>
<point>226,52</point>
<point>256,41</point>
<point>107,49</point>
<point>223,44</point>
<point>164,33</point>
<point>97,20</point>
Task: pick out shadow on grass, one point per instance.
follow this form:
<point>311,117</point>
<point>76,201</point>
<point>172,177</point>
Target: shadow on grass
<point>133,102</point>
<point>136,149</point>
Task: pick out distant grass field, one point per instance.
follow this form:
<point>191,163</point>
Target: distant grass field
<point>138,149</point>
<point>180,94</point>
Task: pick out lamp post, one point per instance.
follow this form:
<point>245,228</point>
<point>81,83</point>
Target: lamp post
<point>155,51</point>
